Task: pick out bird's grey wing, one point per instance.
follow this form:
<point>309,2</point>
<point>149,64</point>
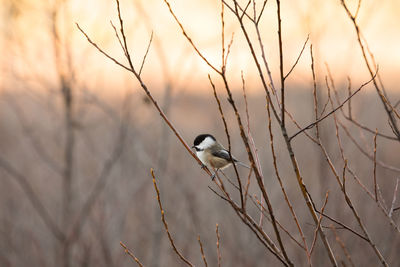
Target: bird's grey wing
<point>223,154</point>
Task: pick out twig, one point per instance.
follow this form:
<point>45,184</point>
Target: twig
<point>102,51</point>
<point>189,39</point>
<point>229,139</point>
<point>261,12</point>
<point>282,77</point>
<point>298,58</point>
<point>33,198</point>
<point>333,111</point>
<point>257,203</point>
<point>144,87</point>
<point>343,225</point>
<point>202,251</point>
<point>319,223</point>
<point>343,246</point>
<point>218,250</point>
<point>294,216</point>
<point>251,139</point>
<point>386,103</point>
<point>118,38</point>
<point>165,222</point>
<point>375,185</point>
<point>128,252</point>
<point>368,155</point>
<point>394,198</point>
<point>145,55</point>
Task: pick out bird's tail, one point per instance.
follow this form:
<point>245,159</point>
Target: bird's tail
<point>242,164</point>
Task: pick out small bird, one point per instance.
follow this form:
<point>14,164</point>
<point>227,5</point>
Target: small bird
<point>213,154</point>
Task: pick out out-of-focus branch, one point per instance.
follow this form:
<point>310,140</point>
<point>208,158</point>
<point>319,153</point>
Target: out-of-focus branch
<point>100,182</point>
<point>34,199</point>
<point>343,246</point>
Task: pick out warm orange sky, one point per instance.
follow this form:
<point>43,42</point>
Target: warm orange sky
<point>26,40</point>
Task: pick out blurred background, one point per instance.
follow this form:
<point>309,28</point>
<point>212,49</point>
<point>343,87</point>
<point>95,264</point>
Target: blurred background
<point>78,135</point>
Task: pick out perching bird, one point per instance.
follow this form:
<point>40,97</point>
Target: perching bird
<point>213,154</point>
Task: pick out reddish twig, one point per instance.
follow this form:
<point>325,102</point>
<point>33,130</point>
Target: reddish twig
<point>343,246</point>
<point>128,252</point>
<point>218,250</point>
<point>171,240</point>
<point>202,251</point>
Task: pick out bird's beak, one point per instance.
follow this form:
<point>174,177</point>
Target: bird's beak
<point>193,146</point>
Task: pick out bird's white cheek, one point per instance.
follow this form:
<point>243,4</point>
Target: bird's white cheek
<point>202,156</point>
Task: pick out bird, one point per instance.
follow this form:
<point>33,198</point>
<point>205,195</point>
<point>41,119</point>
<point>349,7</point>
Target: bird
<point>212,154</point>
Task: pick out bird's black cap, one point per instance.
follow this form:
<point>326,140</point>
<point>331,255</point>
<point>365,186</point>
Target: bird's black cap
<point>200,139</point>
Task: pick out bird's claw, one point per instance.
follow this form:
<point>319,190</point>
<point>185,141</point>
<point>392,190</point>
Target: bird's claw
<point>213,177</point>
<point>203,166</point>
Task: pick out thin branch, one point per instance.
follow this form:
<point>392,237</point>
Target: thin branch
<point>374,172</point>
<point>343,225</point>
<point>189,39</point>
<point>294,216</point>
<point>258,204</point>
<point>100,182</point>
<point>229,139</point>
<point>128,252</point>
<point>145,55</point>
<point>386,103</point>
<point>319,223</point>
<point>282,77</point>
<point>165,222</point>
<point>146,90</point>
<point>343,246</point>
<point>218,250</point>
<point>334,110</point>
<point>33,198</point>
<point>202,251</point>
<point>261,12</point>
<point>298,58</point>
<point>102,51</point>
<point>118,38</point>
<point>394,198</point>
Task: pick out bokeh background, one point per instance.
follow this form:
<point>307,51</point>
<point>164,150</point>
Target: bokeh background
<point>112,136</point>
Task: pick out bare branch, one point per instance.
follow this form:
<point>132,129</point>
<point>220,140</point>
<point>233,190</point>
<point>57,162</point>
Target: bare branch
<point>298,58</point>
<point>319,223</point>
<point>202,251</point>
<point>128,252</point>
<point>102,51</point>
<point>145,55</point>
<point>189,39</point>
<point>394,198</point>
<point>33,198</point>
<point>218,250</point>
<point>333,111</point>
<point>165,223</point>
